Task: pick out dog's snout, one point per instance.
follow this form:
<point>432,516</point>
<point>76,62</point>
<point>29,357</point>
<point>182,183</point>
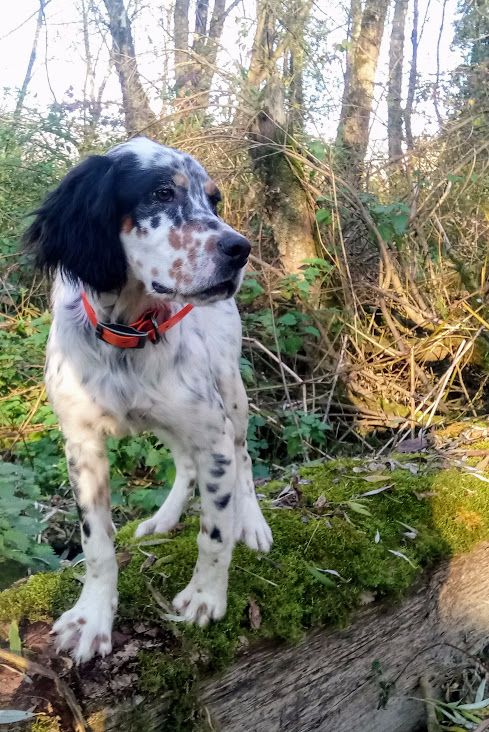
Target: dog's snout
<point>235,246</point>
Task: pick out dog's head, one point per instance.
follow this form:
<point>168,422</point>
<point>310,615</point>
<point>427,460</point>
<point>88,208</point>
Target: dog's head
<point>143,208</point>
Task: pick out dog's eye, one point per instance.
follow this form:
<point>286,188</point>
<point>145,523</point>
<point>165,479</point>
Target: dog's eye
<point>164,194</point>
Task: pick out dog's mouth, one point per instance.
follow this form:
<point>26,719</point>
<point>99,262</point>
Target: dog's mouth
<point>219,291</point>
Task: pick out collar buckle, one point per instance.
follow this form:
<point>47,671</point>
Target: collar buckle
<point>155,332</point>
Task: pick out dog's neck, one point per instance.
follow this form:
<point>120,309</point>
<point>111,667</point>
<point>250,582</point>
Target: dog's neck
<point>126,305</point>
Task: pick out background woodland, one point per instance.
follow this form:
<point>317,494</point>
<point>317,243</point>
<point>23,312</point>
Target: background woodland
<point>359,172</point>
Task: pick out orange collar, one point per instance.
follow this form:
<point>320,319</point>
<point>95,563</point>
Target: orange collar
<point>136,334</point>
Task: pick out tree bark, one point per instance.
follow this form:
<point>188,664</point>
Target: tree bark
<point>285,200</point>
<point>30,65</point>
<point>354,24</point>
<point>413,77</point>
<point>180,33</point>
<point>211,48</point>
<point>354,133</point>
<point>195,66</point>
<point>137,111</point>
<point>264,30</point>
<point>92,97</point>
<point>329,681</point>
<point>394,89</point>
<point>298,16</point>
<point>436,86</point>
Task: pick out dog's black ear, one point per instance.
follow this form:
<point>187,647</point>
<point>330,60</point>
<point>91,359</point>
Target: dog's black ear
<point>76,229</point>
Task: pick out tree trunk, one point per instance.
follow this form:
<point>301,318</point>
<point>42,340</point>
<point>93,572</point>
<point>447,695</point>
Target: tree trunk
<point>332,680</point>
<point>354,24</point>
<point>210,49</point>
<point>92,97</point>
<point>28,74</point>
<point>436,86</point>
<point>355,130</point>
<point>285,200</point>
<point>195,65</point>
<point>413,76</point>
<point>298,15</point>
<point>180,33</point>
<point>327,681</point>
<point>263,41</point>
<point>394,90</point>
<point>137,111</point>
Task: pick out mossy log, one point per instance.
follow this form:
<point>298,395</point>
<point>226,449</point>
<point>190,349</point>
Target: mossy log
<point>337,680</point>
<point>413,549</point>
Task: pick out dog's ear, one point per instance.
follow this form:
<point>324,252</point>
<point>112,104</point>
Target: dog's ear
<point>76,229</point>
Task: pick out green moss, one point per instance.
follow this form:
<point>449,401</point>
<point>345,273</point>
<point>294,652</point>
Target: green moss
<point>362,539</point>
<point>164,674</point>
<point>460,506</point>
<point>40,597</point>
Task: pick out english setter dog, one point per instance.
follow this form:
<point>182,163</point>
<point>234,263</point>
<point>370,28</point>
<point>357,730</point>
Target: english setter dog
<point>146,336</point>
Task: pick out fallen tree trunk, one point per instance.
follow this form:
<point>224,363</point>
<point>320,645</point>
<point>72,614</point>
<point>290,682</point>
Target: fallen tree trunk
<point>327,681</point>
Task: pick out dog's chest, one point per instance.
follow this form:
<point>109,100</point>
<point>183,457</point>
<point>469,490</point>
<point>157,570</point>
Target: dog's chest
<point>174,383</point>
<point>154,387</point>
<point>150,383</point>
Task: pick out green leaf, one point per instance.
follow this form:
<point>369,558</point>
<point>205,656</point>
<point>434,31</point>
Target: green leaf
<point>358,508</point>
<point>287,319</point>
<point>324,216</point>
<point>15,644</point>
<point>250,290</point>
<point>479,696</point>
<point>318,262</point>
<point>152,458</point>
<point>246,369</point>
<point>291,344</point>
<point>16,539</point>
<point>482,704</point>
<point>318,149</point>
<point>44,553</point>
<point>400,223</point>
<point>311,330</point>
<point>386,231</point>
<point>260,470</point>
<point>321,577</point>
<point>148,499</point>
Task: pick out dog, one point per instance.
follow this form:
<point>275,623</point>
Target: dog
<point>146,335</point>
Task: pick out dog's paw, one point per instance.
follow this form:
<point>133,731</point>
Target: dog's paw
<point>85,630</point>
<point>250,526</point>
<point>161,523</point>
<point>198,605</point>
<point>154,526</point>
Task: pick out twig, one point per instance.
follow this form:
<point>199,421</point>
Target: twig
<point>259,344</point>
<point>335,379</point>
<point>427,693</point>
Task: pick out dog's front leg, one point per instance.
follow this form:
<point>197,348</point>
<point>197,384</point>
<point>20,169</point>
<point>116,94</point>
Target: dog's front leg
<point>86,629</point>
<point>205,597</point>
<point>250,525</point>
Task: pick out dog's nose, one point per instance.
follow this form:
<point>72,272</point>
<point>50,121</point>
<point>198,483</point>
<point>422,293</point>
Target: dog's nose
<point>236,247</point>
